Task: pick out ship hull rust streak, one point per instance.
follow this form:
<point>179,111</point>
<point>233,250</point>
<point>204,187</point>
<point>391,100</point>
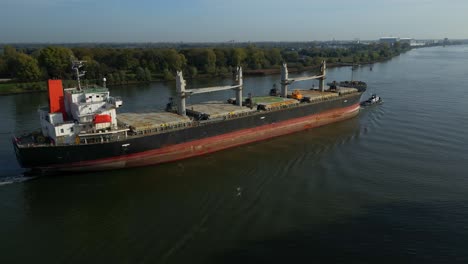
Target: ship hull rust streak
<point>211,144</point>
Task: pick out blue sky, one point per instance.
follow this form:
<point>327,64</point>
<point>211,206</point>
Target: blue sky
<point>219,20</point>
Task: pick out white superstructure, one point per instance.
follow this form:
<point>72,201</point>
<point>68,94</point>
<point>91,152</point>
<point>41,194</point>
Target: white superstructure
<point>88,111</point>
<point>75,114</point>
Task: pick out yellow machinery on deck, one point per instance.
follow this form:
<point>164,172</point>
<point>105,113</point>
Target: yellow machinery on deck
<point>296,95</point>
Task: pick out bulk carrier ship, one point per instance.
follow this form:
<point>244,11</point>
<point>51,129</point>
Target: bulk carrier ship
<point>81,130</point>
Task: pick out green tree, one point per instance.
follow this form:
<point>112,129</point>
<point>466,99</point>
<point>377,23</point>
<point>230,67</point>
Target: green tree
<point>152,66</point>
<point>363,58</point>
<point>140,74</point>
<point>110,78</point>
<point>192,71</point>
<point>384,50</point>
<point>167,75</point>
<point>9,51</point>
<point>222,71</point>
<point>405,46</point>
<point>3,67</point>
<point>291,56</point>
<point>92,68</point>
<point>210,66</point>
<point>147,75</point>
<point>202,59</point>
<point>221,60</point>
<point>9,55</point>
<point>84,52</point>
<point>238,57</point>
<point>309,61</point>
<point>397,47</point>
<point>26,68</point>
<point>174,60</point>
<point>116,78</point>
<point>56,61</point>
<point>274,56</point>
<point>156,60</point>
<point>316,61</point>
<point>256,57</point>
<point>126,61</point>
<point>122,76</point>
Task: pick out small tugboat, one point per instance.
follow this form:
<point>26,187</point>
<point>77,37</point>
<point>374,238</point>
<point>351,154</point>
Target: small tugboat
<point>374,99</point>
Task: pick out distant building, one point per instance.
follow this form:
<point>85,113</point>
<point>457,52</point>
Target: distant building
<point>406,41</point>
<point>389,40</point>
<point>417,43</point>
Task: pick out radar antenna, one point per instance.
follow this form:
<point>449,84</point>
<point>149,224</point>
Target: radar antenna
<point>76,65</point>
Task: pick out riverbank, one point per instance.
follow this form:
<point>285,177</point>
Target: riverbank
<point>139,66</point>
<point>12,87</point>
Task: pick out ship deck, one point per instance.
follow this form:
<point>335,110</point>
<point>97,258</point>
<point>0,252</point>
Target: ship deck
<point>316,95</point>
<point>266,100</point>
<point>139,122</point>
<point>346,90</point>
<point>214,110</point>
<point>273,102</point>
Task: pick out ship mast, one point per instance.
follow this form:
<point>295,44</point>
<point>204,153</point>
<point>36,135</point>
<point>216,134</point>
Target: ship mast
<point>76,65</point>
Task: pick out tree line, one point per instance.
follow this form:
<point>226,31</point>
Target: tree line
<point>146,64</point>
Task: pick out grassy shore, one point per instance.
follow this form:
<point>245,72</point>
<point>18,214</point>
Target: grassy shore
<point>16,88</point>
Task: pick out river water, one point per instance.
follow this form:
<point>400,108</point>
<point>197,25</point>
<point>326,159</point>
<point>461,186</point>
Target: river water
<point>389,186</point>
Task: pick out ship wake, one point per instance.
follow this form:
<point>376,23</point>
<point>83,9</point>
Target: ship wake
<point>15,179</point>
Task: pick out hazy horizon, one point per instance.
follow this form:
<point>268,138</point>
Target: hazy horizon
<point>106,21</point>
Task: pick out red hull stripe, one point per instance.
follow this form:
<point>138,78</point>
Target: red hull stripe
<point>212,144</point>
